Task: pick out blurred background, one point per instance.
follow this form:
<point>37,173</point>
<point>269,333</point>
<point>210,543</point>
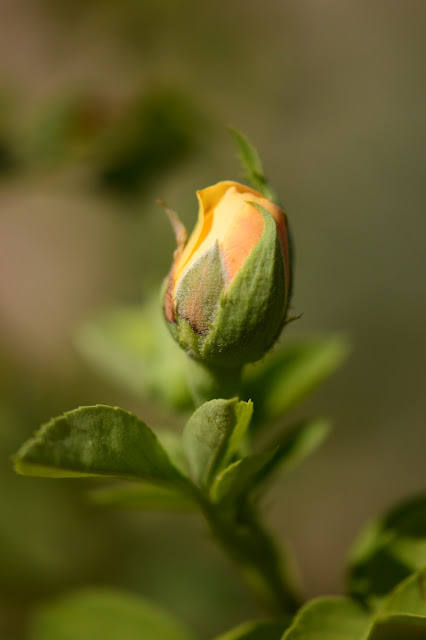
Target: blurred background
<point>105,107</point>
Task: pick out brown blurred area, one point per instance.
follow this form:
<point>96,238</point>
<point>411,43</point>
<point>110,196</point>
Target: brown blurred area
<point>105,107</point>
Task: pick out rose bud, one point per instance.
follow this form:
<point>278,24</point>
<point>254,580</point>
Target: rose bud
<point>228,289</point>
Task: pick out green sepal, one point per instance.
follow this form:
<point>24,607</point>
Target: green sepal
<point>252,164</point>
<point>198,297</point>
<point>213,435</point>
<point>198,292</point>
<point>252,308</point>
<point>97,441</point>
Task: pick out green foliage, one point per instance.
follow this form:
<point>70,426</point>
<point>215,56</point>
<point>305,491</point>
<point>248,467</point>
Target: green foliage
<point>153,134</point>
<point>259,630</point>
<point>102,441</point>
<point>105,614</point>
<point>131,346</point>
<point>213,435</point>
<point>252,164</point>
<point>147,497</point>
<point>404,610</point>
<point>388,550</point>
<point>283,380</point>
<point>125,145</point>
<point>401,616</point>
<point>236,482</point>
<point>96,441</point>
<point>172,443</point>
<point>329,619</point>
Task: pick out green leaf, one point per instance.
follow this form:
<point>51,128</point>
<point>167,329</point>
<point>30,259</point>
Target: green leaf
<point>401,616</point>
<point>252,164</point>
<point>131,346</point>
<point>235,482</point>
<point>388,550</point>
<point>403,613</point>
<point>298,442</point>
<point>172,443</point>
<point>409,597</point>
<point>258,630</point>
<point>96,441</point>
<point>141,496</point>
<point>283,380</point>
<point>214,434</point>
<point>395,629</point>
<point>330,619</point>
<point>104,614</point>
<point>243,476</point>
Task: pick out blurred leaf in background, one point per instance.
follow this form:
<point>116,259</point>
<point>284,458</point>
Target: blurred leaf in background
<point>105,615</point>
<point>125,144</point>
<point>132,347</point>
<point>388,550</point>
<point>9,160</point>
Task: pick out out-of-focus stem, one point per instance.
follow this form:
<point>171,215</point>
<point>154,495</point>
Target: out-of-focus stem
<point>254,553</point>
<point>208,382</point>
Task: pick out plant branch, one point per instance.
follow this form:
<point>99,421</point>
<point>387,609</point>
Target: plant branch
<point>255,554</point>
<point>207,382</point>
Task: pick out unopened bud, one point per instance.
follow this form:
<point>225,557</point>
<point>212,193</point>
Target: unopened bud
<point>228,288</point>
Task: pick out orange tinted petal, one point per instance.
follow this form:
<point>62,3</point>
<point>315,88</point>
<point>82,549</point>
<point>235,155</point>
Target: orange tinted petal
<point>242,235</point>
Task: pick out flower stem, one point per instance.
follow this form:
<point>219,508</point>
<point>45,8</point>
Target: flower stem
<point>254,552</point>
<point>208,382</point>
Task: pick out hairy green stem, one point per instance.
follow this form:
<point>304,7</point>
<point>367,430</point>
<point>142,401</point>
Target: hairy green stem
<point>241,536</point>
<point>254,553</point>
<point>208,382</point>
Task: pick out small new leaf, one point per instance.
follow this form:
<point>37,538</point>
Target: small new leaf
<point>213,435</point>
<point>234,484</point>
<point>252,164</point>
